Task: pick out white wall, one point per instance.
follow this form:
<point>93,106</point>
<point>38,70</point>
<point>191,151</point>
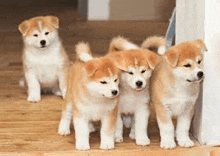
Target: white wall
<point>200,19</point>
<point>211,99</point>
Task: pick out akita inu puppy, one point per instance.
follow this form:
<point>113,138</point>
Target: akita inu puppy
<point>45,62</point>
<point>137,66</point>
<point>174,90</point>
<point>92,94</point>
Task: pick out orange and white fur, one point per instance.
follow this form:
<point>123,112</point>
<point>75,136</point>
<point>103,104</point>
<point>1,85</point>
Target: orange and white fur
<point>45,62</point>
<point>92,95</point>
<point>136,65</point>
<point>174,90</point>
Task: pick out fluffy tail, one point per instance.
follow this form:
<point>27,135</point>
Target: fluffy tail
<point>83,52</point>
<point>156,44</point>
<point>119,43</point>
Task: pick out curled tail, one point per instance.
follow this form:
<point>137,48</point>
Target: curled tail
<point>156,44</point>
<point>119,43</point>
<point>83,52</point>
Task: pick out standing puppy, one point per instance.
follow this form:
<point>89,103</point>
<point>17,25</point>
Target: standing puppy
<point>137,66</point>
<point>174,90</point>
<point>45,62</point>
<point>92,95</point>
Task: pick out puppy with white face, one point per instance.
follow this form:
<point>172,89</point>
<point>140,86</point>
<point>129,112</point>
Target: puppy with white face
<point>92,95</point>
<point>174,90</point>
<point>136,66</point>
<point>45,62</point>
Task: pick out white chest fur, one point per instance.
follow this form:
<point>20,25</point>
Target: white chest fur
<point>44,64</point>
<point>130,99</point>
<point>95,109</point>
<point>182,98</point>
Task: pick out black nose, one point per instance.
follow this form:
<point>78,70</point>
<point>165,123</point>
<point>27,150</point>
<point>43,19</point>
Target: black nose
<point>114,92</point>
<point>139,83</point>
<point>43,42</point>
<point>200,74</point>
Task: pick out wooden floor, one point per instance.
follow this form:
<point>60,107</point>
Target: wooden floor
<point>31,128</point>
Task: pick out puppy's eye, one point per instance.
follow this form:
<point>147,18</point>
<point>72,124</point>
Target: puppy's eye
<point>187,65</point>
<point>199,61</point>
<point>35,35</point>
<point>115,80</point>
<point>46,33</point>
<point>103,82</point>
<point>143,71</point>
<point>131,73</point>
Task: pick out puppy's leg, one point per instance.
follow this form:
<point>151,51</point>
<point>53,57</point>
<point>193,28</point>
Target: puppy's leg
<point>119,129</point>
<point>33,87</point>
<point>62,81</point>
<point>81,126</point>
<point>127,121</point>
<point>132,132</point>
<point>64,126</point>
<point>182,130</point>
<point>141,116</point>
<point>166,127</point>
<point>56,91</point>
<point>108,129</point>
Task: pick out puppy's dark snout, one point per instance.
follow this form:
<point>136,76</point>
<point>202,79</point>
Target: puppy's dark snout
<point>43,42</point>
<point>114,92</point>
<point>200,74</point>
<point>139,83</point>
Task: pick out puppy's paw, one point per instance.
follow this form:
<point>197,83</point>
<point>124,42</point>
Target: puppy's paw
<point>64,130</point>
<point>82,147</point>
<point>185,142</point>
<point>63,93</point>
<point>56,92</point>
<point>143,141</point>
<point>107,146</point>
<point>118,139</point>
<point>168,144</point>
<point>132,135</point>
<point>33,98</point>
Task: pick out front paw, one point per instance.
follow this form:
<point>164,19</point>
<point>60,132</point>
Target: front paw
<point>118,137</point>
<point>168,144</point>
<point>63,93</point>
<point>186,142</point>
<point>107,146</point>
<point>33,98</point>
<point>82,146</point>
<point>143,141</point>
<point>132,135</point>
<point>64,128</point>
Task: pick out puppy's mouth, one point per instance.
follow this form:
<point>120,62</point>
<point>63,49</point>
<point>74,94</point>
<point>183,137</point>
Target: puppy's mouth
<point>43,46</point>
<point>194,80</point>
<point>139,88</point>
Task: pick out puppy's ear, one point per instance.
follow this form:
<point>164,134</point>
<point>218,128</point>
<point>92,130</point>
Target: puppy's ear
<point>24,27</point>
<point>172,56</point>
<point>90,69</point>
<point>201,45</point>
<point>119,61</point>
<point>54,21</point>
<point>152,60</point>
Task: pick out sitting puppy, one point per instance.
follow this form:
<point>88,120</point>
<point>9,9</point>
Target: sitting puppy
<point>175,88</point>
<point>92,95</point>
<point>136,66</point>
<point>45,62</point>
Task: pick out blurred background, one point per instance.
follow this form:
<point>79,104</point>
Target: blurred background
<point>95,21</point>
